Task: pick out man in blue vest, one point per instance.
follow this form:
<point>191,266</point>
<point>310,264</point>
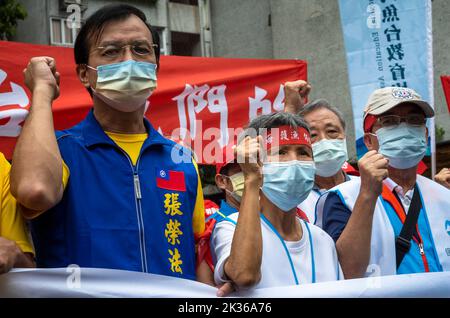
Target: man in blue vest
<point>107,193</point>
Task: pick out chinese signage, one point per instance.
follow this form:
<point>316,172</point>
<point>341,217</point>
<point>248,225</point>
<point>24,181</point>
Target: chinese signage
<point>388,43</point>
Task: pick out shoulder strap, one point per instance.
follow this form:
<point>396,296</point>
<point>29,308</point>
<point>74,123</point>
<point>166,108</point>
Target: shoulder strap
<point>403,241</point>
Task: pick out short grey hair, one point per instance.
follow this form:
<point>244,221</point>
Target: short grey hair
<point>322,104</point>
<point>274,120</point>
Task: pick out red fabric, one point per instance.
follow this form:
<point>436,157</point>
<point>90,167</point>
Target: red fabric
<point>445,80</point>
<point>349,169</point>
<point>421,168</point>
<point>194,93</point>
<point>369,121</point>
<point>203,247</point>
<point>302,215</point>
<point>225,157</point>
<point>286,135</point>
<point>174,181</point>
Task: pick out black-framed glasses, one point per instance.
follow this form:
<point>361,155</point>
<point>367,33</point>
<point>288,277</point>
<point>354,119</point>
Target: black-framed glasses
<point>139,49</point>
<point>394,120</point>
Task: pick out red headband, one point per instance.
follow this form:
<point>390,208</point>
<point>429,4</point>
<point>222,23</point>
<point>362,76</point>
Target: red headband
<point>286,135</point>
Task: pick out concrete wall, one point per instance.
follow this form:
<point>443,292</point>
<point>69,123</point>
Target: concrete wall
<point>36,27</point>
<point>311,30</point>
<point>157,15</point>
<point>240,28</point>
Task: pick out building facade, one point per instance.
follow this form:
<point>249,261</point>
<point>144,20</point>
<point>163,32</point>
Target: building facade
<point>183,25</point>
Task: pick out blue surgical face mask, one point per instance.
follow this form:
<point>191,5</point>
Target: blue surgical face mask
<point>404,145</point>
<point>125,86</point>
<point>329,156</point>
<point>287,184</point>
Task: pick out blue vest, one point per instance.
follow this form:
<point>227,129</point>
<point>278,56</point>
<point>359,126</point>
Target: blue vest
<point>113,214</point>
<point>225,210</point>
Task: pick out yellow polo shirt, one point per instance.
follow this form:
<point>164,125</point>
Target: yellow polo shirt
<point>12,225</point>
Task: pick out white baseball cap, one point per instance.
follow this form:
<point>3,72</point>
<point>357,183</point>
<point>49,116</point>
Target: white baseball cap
<point>384,99</point>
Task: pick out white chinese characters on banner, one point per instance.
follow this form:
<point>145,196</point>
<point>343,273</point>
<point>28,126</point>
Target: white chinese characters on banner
<point>14,116</point>
<point>195,99</point>
<point>261,103</point>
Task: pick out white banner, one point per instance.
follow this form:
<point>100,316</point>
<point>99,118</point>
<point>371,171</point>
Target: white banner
<point>88,282</point>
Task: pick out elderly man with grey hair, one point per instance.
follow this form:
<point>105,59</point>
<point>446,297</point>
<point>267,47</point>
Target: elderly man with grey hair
<point>327,125</point>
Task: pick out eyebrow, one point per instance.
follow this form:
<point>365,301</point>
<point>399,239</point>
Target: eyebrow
<point>117,42</point>
<point>332,125</point>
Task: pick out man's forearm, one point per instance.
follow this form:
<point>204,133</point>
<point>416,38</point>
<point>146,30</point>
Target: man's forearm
<point>36,173</point>
<point>243,266</point>
<point>353,246</point>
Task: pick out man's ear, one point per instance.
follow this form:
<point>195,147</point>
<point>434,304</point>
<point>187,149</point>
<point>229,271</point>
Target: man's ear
<point>220,181</point>
<point>368,141</point>
<point>83,75</point>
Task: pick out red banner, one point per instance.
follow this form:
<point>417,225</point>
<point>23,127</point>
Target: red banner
<point>201,96</point>
<point>446,86</point>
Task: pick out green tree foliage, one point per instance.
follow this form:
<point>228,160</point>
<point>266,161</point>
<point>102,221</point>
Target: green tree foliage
<point>10,12</point>
<point>440,132</point>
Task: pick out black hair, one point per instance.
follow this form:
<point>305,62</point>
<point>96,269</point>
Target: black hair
<point>94,25</point>
<point>322,104</point>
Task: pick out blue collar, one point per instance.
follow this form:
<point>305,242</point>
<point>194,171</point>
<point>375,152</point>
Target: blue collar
<point>94,135</point>
<point>227,209</point>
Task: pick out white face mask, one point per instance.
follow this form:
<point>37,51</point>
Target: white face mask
<point>404,145</point>
<point>287,184</point>
<point>329,156</point>
<point>125,86</point>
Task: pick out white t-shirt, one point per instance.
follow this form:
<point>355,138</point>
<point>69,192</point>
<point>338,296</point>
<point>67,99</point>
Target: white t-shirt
<point>275,267</point>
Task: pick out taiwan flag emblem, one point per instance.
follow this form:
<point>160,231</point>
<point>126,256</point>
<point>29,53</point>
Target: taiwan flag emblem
<point>170,180</point>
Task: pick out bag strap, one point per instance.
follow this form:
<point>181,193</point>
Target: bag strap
<point>403,241</point>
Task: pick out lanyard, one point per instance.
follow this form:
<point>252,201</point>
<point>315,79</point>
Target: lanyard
<point>313,266</point>
<point>397,206</point>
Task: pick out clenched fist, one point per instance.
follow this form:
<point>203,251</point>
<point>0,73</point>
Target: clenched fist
<point>373,168</point>
<point>41,74</point>
<point>295,94</point>
<point>249,154</point>
<point>443,177</point>
<point>9,253</point>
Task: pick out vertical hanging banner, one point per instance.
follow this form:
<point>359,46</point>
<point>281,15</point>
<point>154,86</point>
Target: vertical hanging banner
<point>388,43</point>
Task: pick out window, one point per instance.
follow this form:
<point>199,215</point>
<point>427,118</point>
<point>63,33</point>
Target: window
<point>186,44</point>
<point>60,32</point>
<point>162,32</point>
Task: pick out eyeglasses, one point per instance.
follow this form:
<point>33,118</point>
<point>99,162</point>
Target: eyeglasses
<point>139,49</point>
<point>394,120</point>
